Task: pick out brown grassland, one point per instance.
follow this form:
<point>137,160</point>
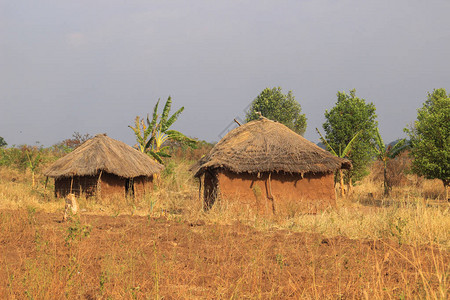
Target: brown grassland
<point>167,247</point>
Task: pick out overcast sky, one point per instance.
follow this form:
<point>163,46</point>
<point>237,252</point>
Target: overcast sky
<point>92,66</point>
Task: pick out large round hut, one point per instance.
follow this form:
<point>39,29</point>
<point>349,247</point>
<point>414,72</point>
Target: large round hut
<point>104,167</point>
<point>266,167</point>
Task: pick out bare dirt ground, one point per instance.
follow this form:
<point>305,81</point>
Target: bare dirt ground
<point>101,257</point>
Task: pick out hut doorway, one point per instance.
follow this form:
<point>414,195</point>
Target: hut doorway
<point>211,189</point>
<point>129,187</point>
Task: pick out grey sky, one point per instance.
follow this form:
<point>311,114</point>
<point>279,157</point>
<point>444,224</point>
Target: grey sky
<point>92,66</point>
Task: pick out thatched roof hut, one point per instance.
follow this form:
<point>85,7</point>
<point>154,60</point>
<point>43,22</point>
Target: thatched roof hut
<point>269,152</point>
<point>103,164</point>
<point>267,146</point>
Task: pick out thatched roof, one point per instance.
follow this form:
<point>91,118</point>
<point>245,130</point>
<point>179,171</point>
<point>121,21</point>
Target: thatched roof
<point>102,153</point>
<point>267,146</point>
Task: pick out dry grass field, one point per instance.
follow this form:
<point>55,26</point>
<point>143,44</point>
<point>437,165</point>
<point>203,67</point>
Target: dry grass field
<point>166,247</point>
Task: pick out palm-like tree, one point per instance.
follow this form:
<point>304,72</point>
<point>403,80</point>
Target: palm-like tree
<point>385,153</point>
<point>342,154</point>
<point>152,136</point>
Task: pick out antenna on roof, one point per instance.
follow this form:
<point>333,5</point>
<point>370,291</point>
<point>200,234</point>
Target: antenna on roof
<point>237,122</point>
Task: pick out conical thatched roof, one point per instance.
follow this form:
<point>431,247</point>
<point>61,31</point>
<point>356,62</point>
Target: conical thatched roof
<point>102,153</point>
<point>267,146</point>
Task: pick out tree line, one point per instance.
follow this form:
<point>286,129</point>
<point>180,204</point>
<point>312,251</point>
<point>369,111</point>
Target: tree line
<point>351,131</point>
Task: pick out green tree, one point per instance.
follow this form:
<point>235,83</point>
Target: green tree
<point>274,105</point>
<point>384,153</point>
<point>152,136</point>
<point>430,138</point>
<point>3,143</point>
<point>350,115</point>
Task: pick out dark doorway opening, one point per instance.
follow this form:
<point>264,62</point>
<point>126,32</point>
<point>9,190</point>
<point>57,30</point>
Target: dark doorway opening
<point>211,188</point>
<point>129,187</point>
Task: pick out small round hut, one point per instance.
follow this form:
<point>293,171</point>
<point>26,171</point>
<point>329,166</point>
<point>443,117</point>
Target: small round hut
<point>104,167</point>
<point>266,167</point>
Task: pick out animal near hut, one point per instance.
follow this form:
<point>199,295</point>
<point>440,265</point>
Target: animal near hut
<point>104,167</point>
<point>265,167</point>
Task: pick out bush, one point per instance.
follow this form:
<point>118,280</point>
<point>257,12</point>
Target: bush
<point>397,170</point>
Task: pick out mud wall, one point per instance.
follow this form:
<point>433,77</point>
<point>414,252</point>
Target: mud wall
<point>142,186</point>
<point>112,186</point>
<point>109,186</point>
<point>77,185</point>
<point>283,194</point>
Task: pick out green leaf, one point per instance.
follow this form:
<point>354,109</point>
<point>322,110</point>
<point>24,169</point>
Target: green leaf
<point>163,154</point>
<point>178,136</point>
<point>398,148</point>
<point>172,119</point>
<point>165,113</point>
<point>149,143</point>
<point>326,143</point>
<point>349,145</point>
<point>152,124</point>
<point>155,156</point>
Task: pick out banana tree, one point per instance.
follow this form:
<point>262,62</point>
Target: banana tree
<point>341,154</point>
<point>384,153</point>
<point>152,134</point>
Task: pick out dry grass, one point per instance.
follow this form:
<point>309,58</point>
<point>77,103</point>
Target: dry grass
<point>167,247</point>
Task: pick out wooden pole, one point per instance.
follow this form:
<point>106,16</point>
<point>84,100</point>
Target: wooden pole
<point>446,187</point>
<point>200,178</point>
<point>270,195</point>
<point>99,185</point>
<point>341,181</point>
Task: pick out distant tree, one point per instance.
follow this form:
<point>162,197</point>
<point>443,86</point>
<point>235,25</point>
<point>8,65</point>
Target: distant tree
<point>386,152</point>
<point>274,105</point>
<point>3,143</point>
<point>430,138</point>
<point>350,115</point>
<point>151,137</point>
<point>71,144</point>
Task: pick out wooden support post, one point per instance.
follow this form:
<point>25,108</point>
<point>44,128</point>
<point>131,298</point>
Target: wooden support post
<point>269,192</point>
<point>99,185</point>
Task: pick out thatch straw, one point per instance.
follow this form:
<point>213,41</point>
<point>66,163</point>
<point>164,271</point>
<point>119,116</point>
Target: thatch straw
<point>102,153</point>
<point>267,146</point>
